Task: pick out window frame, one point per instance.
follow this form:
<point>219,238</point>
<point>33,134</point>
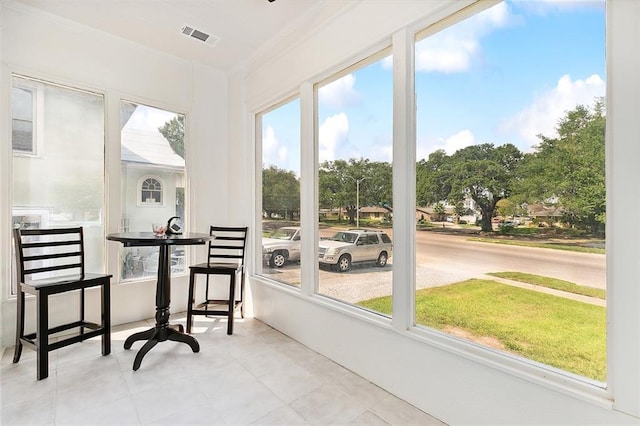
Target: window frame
<point>257,116</point>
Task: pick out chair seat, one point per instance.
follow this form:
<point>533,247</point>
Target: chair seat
<point>89,279</point>
<point>217,266</point>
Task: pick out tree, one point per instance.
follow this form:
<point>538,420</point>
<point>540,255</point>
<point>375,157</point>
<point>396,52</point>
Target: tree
<point>439,212</point>
<point>338,184</point>
<point>173,131</point>
<point>569,171</point>
<point>483,173</point>
<point>505,208</point>
<point>431,186</point>
<point>280,192</point>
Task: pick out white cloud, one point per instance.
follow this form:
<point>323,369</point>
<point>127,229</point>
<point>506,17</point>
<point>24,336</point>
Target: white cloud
<point>339,93</point>
<point>148,118</point>
<point>454,49</point>
<point>458,141</point>
<point>273,153</point>
<point>450,145</point>
<point>541,117</point>
<point>381,153</point>
<point>334,135</point>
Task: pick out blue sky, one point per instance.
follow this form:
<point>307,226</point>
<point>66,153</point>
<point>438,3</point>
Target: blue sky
<point>502,76</point>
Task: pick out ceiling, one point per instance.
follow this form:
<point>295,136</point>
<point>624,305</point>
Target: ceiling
<point>242,27</point>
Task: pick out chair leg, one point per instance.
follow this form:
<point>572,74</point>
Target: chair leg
<point>232,303</point>
<point>106,316</point>
<point>42,335</point>
<point>190,302</point>
<point>19,325</point>
<point>206,293</point>
<point>82,310</point>
<point>242,295</point>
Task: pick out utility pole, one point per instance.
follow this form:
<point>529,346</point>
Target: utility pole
<point>357,198</point>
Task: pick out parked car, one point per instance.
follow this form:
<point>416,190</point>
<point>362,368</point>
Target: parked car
<point>354,246</point>
<point>282,246</point>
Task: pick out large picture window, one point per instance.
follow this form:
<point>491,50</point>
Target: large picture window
<point>511,183</point>
<point>280,127</point>
<point>355,251</point>
<point>65,187</point>
<point>152,159</point>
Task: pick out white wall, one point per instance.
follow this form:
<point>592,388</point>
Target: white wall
<point>42,46</point>
<point>456,381</point>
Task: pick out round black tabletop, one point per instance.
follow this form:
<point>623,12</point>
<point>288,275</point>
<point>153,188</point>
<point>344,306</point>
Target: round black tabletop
<point>130,239</point>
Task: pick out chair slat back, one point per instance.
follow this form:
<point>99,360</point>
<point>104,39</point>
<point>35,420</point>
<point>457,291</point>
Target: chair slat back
<point>46,253</point>
<point>228,246</point>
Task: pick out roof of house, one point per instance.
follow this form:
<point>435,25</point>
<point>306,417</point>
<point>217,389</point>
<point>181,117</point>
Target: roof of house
<point>539,210</point>
<point>148,147</point>
<point>373,209</point>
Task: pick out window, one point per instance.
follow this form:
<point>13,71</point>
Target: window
<point>280,127</point>
<point>22,130</point>
<point>152,157</point>
<point>510,152</point>
<point>27,104</point>
<point>354,115</point>
<point>151,191</point>
<point>65,187</point>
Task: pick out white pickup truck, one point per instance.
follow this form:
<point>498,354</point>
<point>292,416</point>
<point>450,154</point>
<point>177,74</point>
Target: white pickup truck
<point>282,246</point>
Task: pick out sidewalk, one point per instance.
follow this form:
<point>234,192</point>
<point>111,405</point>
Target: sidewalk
<point>586,299</point>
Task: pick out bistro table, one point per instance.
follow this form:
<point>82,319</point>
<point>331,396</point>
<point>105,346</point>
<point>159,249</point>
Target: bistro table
<point>162,330</point>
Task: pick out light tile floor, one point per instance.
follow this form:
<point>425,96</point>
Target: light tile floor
<point>258,376</point>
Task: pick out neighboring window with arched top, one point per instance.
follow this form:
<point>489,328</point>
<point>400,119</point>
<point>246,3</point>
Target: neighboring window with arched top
<point>151,191</point>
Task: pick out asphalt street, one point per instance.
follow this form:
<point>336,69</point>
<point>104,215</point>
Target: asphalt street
<point>443,259</point>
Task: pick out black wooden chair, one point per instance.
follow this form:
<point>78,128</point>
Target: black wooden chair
<point>48,262</point>
<point>226,257</point>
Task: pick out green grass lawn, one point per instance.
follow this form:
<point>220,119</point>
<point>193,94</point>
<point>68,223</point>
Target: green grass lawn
<point>560,332</point>
<point>551,283</point>
<point>549,245</point>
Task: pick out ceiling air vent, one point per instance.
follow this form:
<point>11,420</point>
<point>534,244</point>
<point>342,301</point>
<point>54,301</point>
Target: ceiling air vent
<point>199,35</point>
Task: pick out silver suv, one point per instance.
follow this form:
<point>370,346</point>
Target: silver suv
<point>354,246</point>
<point>282,246</point>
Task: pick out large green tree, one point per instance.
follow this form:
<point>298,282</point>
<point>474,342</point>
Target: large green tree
<point>569,170</point>
<point>338,184</point>
<point>280,192</point>
<point>484,173</point>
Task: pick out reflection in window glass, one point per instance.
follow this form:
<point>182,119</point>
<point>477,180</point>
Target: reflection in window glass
<point>510,143</point>
<point>354,186</point>
<point>22,106</point>
<point>281,193</point>
<point>153,179</point>
<point>65,187</point>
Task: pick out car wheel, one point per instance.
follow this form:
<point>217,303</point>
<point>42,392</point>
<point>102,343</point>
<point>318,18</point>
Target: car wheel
<point>382,259</point>
<point>278,260</point>
<point>344,263</point>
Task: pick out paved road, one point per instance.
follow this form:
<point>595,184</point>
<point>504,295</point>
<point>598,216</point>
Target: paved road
<point>453,252</point>
<point>444,259</point>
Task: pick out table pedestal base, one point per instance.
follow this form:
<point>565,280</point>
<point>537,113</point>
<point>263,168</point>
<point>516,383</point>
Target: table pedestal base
<point>161,332</point>
<point>155,335</point>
